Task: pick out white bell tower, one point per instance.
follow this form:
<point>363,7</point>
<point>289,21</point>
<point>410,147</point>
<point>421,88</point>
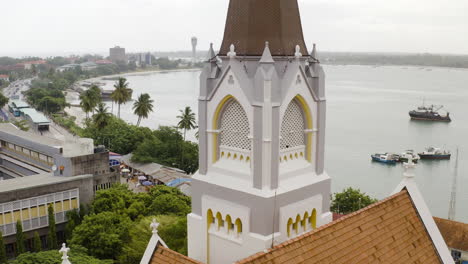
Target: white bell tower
<point>262,122</point>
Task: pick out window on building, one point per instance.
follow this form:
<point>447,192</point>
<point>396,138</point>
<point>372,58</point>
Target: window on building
<point>292,126</point>
<point>234,126</point>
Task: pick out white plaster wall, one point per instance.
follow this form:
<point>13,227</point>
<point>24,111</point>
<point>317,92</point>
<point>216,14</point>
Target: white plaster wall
<point>196,236</point>
<point>300,207</point>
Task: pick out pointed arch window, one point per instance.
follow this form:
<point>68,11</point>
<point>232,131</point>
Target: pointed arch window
<point>292,126</point>
<point>234,126</point>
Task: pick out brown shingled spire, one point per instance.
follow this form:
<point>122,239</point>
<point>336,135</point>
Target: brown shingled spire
<point>250,23</point>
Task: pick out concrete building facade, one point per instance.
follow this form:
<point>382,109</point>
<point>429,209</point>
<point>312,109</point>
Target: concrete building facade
<point>37,172</point>
<point>117,54</point>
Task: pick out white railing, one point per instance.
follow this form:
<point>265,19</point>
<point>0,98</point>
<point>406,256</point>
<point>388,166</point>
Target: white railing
<point>236,154</point>
<point>293,153</point>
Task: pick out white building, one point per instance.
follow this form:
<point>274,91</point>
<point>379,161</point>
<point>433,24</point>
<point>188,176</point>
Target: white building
<point>262,128</point>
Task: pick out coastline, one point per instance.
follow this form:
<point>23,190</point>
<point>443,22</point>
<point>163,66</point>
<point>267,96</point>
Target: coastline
<point>136,73</point>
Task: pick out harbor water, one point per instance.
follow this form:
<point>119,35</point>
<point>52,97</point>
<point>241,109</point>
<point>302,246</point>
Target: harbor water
<point>367,112</point>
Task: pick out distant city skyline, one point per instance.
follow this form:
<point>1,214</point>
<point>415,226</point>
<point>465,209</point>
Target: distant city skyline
<point>54,27</point>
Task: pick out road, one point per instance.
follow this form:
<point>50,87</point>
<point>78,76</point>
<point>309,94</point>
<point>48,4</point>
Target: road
<point>15,91</point>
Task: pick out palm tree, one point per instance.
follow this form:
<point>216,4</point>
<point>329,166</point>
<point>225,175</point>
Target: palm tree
<point>122,93</point>
<point>95,94</point>
<point>101,118</point>
<point>142,107</point>
<point>86,103</point>
<point>187,120</point>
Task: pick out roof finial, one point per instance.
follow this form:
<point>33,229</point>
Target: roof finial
<point>154,226</point>
<point>266,56</point>
<point>409,168</point>
<point>231,54</point>
<point>314,52</point>
<point>298,53</point>
<point>64,250</point>
<point>211,53</point>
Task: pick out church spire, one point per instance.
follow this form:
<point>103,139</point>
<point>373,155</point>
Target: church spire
<point>250,23</point>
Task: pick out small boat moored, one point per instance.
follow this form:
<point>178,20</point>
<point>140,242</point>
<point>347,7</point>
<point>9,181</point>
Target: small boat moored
<point>405,156</point>
<point>432,153</point>
<point>384,158</point>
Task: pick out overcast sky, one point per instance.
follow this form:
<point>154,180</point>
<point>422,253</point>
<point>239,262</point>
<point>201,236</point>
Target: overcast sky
<point>47,27</point>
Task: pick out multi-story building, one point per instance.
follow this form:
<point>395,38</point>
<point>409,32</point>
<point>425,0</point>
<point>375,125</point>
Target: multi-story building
<point>38,171</point>
<point>117,54</point>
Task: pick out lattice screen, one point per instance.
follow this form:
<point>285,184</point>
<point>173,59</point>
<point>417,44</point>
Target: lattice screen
<point>292,127</point>
<point>235,127</point>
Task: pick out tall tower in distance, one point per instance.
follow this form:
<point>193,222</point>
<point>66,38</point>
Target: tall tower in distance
<point>261,137</point>
<point>194,49</point>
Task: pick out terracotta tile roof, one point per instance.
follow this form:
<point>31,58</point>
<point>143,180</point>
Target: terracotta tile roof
<point>389,231</point>
<point>455,233</point>
<point>163,255</point>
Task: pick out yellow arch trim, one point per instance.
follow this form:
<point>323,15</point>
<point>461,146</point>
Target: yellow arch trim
<point>313,219</point>
<point>309,125</point>
<point>215,125</point>
<point>238,224</point>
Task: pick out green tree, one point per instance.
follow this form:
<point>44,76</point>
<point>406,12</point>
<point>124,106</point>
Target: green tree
<point>168,200</point>
<point>102,116</point>
<point>95,94</point>
<point>3,257</point>
<point>187,120</point>
<point>3,100</point>
<point>350,200</point>
<point>52,237</point>
<point>86,102</point>
<point>77,255</point>
<point>122,93</point>
<point>37,244</point>
<point>160,149</point>
<point>142,107</point>
<point>172,229</point>
<point>175,234</point>
<point>103,234</point>
<point>20,245</point>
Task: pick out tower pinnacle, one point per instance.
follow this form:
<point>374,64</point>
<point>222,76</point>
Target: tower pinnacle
<point>250,23</point>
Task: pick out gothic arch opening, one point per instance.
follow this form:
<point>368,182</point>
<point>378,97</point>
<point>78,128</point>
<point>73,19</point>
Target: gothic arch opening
<point>232,140</point>
<point>295,132</point>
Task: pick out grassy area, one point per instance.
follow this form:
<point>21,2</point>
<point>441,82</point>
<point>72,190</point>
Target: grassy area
<point>68,122</point>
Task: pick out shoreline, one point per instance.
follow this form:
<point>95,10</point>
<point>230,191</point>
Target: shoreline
<point>135,73</point>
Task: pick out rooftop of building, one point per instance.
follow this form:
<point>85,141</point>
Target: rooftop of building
<point>36,117</point>
<point>157,171</point>
<point>455,233</point>
<point>389,231</point>
<point>19,103</point>
<point>3,76</point>
<point>13,130</point>
<point>38,180</point>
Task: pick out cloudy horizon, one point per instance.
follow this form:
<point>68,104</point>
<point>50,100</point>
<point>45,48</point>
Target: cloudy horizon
<point>57,27</point>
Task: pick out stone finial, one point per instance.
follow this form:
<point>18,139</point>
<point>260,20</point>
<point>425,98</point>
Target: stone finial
<point>64,251</point>
<point>154,226</point>
<point>231,54</point>
<point>266,56</point>
<point>314,52</point>
<point>298,53</point>
<point>409,168</point>
<point>211,53</point>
